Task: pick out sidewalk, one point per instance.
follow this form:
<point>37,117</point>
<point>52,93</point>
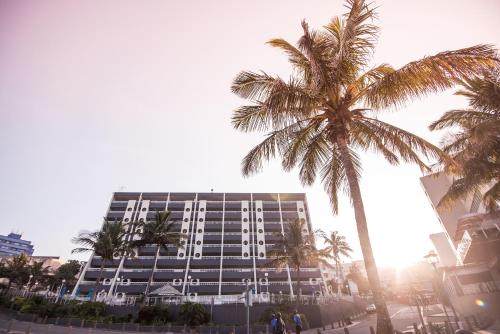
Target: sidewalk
<point>494,329</point>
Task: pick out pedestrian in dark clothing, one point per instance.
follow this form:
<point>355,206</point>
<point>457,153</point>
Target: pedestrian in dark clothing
<point>280,324</point>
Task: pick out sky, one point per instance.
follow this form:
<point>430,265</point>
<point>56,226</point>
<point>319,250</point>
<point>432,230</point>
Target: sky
<point>102,96</point>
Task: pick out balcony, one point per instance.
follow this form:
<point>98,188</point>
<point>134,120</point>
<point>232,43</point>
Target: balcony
<point>168,276</point>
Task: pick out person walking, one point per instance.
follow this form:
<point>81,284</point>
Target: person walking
<point>274,321</point>
<point>280,324</point>
<point>297,321</point>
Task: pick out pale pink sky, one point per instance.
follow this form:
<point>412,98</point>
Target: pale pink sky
<point>96,95</point>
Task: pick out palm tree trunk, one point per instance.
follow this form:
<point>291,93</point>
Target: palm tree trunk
<point>384,325</point>
<point>96,285</point>
<point>299,293</point>
<point>337,269</point>
<point>150,280</point>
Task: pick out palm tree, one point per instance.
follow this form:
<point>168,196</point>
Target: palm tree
<point>476,146</point>
<point>336,246</point>
<point>294,249</point>
<point>107,243</point>
<point>159,232</point>
<point>328,111</point>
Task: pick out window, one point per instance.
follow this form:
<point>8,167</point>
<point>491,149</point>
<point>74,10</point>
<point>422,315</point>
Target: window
<point>202,209</point>
<point>188,209</point>
<point>181,254</point>
<point>184,231</point>
<point>129,209</point>
<point>245,242</point>
<point>126,219</point>
<point>245,231</point>
<point>245,209</point>
<point>245,220</point>
<point>144,209</point>
<point>259,220</point>
<point>261,230</point>
<point>261,254</point>
<point>245,254</point>
<point>186,220</point>
<point>197,255</point>
<point>261,242</point>
<point>198,242</point>
<point>200,230</point>
<point>301,210</point>
<point>259,210</point>
<point>200,220</point>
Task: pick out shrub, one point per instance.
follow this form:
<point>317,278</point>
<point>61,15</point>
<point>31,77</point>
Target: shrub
<point>193,314</point>
<point>153,314</point>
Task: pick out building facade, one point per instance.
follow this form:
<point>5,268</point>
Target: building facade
<point>227,237</point>
<point>13,245</point>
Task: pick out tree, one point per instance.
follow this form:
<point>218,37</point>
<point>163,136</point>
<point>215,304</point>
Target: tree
<point>193,314</point>
<point>17,270</point>
<point>336,245</point>
<point>357,277</point>
<point>159,232</point>
<point>475,147</point>
<point>294,249</point>
<point>107,243</point>
<point>68,272</point>
<point>327,111</point>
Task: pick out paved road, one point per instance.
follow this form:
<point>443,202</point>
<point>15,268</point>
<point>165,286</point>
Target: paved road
<point>402,316</point>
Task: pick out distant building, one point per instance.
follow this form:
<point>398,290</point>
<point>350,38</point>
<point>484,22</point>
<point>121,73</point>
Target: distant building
<point>445,250</point>
<point>228,237</point>
<point>51,262</point>
<point>473,284</point>
<point>12,244</point>
<point>473,232</point>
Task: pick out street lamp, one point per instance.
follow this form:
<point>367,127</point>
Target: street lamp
<point>189,285</point>
<point>432,258</point>
<point>267,282</point>
<point>29,281</point>
<point>61,291</point>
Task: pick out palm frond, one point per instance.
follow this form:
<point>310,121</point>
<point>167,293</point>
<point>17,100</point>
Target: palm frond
<point>428,75</point>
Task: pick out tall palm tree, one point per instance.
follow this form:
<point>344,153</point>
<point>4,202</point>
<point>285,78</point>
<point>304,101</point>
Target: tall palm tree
<point>328,110</point>
<point>336,246</point>
<point>476,145</point>
<point>159,232</point>
<point>294,249</point>
<point>107,243</point>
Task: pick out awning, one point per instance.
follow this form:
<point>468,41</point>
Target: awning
<point>166,290</point>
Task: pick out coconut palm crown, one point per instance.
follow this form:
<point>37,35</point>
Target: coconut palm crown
<point>108,243</point>
<point>327,111</point>
<point>159,232</point>
<point>294,249</point>
<point>475,143</point>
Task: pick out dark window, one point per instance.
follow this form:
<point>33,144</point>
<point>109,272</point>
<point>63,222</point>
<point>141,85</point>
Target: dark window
<point>197,255</point>
<point>245,231</point>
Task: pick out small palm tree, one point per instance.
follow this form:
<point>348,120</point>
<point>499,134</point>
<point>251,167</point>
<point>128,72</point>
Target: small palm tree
<point>159,232</point>
<point>107,243</point>
<point>336,246</point>
<point>476,145</point>
<point>329,110</point>
<point>295,249</point>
